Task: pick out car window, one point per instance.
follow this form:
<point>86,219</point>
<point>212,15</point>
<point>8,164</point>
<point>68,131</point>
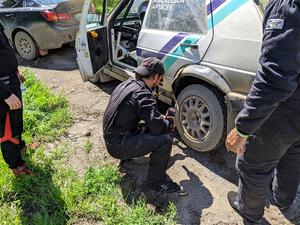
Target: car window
<point>133,11</point>
<point>30,3</point>
<point>49,2</point>
<point>8,3</point>
<point>188,16</point>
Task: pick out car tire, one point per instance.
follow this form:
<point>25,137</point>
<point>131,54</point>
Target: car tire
<point>25,45</point>
<point>200,118</point>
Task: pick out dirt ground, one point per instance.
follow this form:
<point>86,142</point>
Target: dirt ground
<point>206,176</point>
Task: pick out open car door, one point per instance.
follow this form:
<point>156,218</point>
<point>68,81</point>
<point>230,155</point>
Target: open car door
<point>92,41</point>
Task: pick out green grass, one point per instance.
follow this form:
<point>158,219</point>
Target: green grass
<point>47,115</point>
<point>56,195</point>
<point>88,146</point>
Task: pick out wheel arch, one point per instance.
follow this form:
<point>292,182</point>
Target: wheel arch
<point>15,31</point>
<point>198,74</point>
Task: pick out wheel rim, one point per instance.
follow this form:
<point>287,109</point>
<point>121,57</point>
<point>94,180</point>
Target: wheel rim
<point>24,47</point>
<point>195,118</point>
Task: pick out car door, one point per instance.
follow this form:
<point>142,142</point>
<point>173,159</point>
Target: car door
<point>92,41</point>
<point>176,32</point>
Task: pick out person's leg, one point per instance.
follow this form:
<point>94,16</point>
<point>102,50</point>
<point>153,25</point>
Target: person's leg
<point>159,147</point>
<point>263,152</point>
<point>12,152</point>
<point>287,177</point>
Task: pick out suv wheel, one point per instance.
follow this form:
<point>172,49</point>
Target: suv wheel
<point>200,118</point>
<point>25,45</point>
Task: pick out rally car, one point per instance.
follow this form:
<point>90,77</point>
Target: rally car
<point>210,50</point>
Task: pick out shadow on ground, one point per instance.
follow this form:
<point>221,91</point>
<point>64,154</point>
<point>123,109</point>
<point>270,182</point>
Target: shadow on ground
<point>63,59</point>
<point>189,208</point>
<point>40,199</point>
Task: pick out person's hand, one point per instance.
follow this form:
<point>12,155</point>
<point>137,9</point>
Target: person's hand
<point>13,102</point>
<point>21,77</point>
<point>173,120</point>
<point>236,143</point>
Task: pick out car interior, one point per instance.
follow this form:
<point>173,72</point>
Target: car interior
<point>125,32</point>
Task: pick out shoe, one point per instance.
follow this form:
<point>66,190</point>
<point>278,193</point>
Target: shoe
<point>167,187</point>
<point>232,198</point>
<point>21,170</point>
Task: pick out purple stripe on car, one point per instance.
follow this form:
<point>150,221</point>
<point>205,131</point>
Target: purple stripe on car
<point>164,50</point>
<point>214,5</point>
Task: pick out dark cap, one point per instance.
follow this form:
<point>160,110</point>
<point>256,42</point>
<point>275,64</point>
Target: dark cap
<point>150,66</point>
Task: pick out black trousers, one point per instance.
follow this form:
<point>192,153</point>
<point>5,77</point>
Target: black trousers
<point>272,158</point>
<point>12,152</point>
<point>137,145</point>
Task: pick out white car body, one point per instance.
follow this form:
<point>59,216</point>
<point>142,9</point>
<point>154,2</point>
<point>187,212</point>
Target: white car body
<point>210,51</point>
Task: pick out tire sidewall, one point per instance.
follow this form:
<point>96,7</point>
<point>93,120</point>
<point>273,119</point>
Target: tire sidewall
<point>217,128</point>
<point>30,40</point>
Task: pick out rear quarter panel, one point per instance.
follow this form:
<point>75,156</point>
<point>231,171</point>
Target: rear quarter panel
<point>235,49</point>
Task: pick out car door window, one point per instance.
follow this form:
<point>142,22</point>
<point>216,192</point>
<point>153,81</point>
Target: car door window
<point>188,16</point>
<point>28,4</point>
<point>94,17</point>
<point>8,3</point>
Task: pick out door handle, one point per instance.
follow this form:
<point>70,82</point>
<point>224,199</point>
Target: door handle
<point>10,15</point>
<point>194,46</point>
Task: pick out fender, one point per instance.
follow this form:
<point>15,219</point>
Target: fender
<point>203,73</point>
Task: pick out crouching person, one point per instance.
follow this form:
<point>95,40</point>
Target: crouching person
<point>130,103</point>
<point>11,117</point>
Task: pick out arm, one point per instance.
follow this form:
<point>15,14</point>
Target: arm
<point>273,84</point>
<point>147,111</point>
<point>279,75</point>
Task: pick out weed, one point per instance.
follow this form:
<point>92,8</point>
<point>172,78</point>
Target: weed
<point>88,146</point>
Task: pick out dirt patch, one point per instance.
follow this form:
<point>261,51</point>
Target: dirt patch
<point>206,176</point>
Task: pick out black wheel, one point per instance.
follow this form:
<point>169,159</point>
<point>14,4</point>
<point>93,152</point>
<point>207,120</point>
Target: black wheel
<point>200,118</point>
<point>25,45</point>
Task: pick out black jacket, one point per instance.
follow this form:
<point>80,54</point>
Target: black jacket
<point>8,65</point>
<point>277,82</point>
<point>128,106</point>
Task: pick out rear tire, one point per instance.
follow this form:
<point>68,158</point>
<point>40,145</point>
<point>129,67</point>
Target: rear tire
<point>25,45</point>
<point>200,118</point>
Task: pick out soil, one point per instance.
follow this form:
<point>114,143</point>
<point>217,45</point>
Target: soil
<point>207,177</point>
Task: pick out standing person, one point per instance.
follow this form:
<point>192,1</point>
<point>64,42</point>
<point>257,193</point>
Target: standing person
<point>267,133</point>
<point>11,118</point>
<point>130,103</point>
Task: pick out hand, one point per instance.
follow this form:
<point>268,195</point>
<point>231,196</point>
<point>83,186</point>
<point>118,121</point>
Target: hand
<point>13,102</point>
<point>173,120</point>
<point>236,143</point>
<point>21,77</point>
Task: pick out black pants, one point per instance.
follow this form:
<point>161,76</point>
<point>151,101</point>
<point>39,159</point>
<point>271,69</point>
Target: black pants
<point>12,152</point>
<point>137,145</point>
<point>272,156</point>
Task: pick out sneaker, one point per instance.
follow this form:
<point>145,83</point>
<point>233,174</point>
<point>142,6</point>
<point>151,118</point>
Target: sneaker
<point>21,170</point>
<point>233,201</point>
<point>167,187</point>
